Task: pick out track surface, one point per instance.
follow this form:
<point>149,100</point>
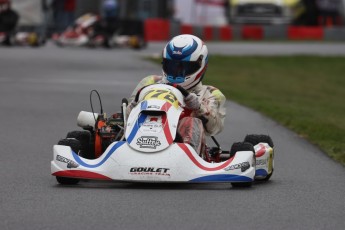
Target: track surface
<point>43,90</point>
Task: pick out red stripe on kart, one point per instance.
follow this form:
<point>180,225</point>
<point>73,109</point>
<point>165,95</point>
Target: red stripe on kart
<point>261,151</point>
<point>197,163</point>
<point>166,106</point>
<point>167,132</point>
<point>81,174</point>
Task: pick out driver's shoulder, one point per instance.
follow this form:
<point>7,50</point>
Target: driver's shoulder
<point>215,92</point>
<point>151,79</point>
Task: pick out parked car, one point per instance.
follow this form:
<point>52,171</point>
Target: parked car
<point>265,11</point>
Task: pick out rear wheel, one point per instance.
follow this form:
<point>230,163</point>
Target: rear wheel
<point>84,138</point>
<point>256,139</point>
<point>235,148</point>
<point>75,146</point>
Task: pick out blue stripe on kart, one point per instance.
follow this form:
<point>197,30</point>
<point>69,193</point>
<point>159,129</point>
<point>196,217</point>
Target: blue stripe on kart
<point>111,151</point>
<point>222,178</point>
<point>261,172</point>
<point>136,127</point>
<point>143,105</point>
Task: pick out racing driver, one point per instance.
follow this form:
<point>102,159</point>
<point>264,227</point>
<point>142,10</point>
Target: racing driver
<point>8,19</point>
<point>185,59</point>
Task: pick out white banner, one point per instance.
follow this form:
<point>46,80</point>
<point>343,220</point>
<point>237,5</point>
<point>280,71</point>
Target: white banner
<point>200,12</point>
<point>30,11</point>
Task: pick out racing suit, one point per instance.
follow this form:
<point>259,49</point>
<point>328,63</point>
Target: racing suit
<point>208,119</point>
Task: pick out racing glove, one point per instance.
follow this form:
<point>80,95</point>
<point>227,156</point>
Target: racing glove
<point>192,102</point>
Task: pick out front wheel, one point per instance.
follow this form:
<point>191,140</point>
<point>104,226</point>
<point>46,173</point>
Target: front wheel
<point>242,184</point>
<point>67,181</point>
<point>236,148</point>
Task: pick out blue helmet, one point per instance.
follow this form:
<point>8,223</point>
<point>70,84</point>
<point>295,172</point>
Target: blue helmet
<point>185,60</point>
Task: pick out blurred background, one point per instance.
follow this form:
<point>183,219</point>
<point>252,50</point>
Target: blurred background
<point>159,20</point>
<point>254,60</point>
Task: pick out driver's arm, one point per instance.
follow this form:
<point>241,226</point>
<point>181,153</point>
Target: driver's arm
<point>212,107</point>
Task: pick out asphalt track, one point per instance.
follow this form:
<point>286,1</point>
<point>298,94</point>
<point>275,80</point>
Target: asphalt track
<point>42,91</point>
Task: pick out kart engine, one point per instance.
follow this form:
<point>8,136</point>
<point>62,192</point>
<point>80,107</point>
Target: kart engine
<point>107,131</point>
<point>103,130</point>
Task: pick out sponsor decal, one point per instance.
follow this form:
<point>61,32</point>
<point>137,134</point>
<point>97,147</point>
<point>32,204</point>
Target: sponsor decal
<point>153,107</point>
<point>178,52</point>
<point>262,161</point>
<point>243,166</point>
<point>149,171</point>
<point>70,163</point>
<point>148,142</point>
<point>151,127</point>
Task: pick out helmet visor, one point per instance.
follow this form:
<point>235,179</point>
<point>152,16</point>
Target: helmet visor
<point>176,69</point>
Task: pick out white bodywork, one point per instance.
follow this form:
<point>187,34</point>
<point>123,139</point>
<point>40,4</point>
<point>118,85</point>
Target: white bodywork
<point>149,153</point>
<point>264,160</point>
<point>178,163</point>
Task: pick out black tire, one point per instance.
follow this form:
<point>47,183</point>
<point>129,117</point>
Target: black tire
<point>236,147</point>
<point>241,146</point>
<point>84,138</point>
<point>75,146</point>
<point>256,139</point>
<point>71,142</point>
<point>242,184</point>
<point>266,178</point>
<point>67,181</point>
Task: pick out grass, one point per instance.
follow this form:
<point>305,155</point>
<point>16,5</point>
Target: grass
<point>304,93</point>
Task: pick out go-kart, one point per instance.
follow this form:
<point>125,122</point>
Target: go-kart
<point>88,31</point>
<point>22,38</point>
<point>147,147</point>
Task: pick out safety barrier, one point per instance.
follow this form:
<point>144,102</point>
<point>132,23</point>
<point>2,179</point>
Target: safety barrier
<point>162,30</point>
<point>305,33</point>
<point>157,30</point>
